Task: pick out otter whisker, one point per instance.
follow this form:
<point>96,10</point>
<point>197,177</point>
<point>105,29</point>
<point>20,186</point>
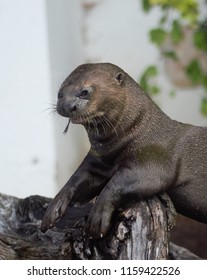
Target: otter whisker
<point>87,123</point>
<point>53,112</point>
<point>95,126</point>
<point>102,122</point>
<point>118,124</point>
<point>110,124</point>
<point>52,109</point>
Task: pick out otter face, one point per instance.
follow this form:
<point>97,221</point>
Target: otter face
<point>72,102</point>
<point>84,96</point>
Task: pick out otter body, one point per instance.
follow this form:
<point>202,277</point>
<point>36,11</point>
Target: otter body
<point>136,150</point>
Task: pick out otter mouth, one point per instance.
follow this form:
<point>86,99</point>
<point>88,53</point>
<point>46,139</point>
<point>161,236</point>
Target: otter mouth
<point>78,120</point>
<point>84,120</point>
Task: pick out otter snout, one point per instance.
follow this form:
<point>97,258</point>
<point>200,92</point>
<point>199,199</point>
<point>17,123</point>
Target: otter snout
<point>67,106</point>
<point>70,105</point>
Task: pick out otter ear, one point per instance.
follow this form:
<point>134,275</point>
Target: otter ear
<point>120,78</point>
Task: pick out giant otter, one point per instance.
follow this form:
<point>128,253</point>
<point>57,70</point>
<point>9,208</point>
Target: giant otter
<point>136,150</point>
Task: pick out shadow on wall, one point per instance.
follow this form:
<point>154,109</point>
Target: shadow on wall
<point>191,235</point>
<point>66,53</point>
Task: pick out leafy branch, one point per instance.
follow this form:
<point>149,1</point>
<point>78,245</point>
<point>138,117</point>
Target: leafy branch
<point>174,15</point>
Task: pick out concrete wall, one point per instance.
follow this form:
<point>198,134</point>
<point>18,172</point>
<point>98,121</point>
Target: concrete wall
<point>27,157</point>
<point>66,51</point>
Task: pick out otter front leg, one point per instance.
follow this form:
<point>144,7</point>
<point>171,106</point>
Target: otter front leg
<point>58,206</point>
<point>85,183</point>
<point>125,185</point>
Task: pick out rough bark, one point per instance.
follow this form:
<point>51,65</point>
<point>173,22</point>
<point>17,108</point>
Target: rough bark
<point>139,232</point>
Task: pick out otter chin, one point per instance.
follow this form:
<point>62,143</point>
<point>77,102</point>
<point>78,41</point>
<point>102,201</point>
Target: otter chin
<point>136,151</point>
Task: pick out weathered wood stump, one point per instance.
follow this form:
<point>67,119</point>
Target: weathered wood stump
<point>139,232</point>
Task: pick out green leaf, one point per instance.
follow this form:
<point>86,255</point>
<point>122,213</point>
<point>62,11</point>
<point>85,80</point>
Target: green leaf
<point>205,82</point>
<point>176,32</point>
<point>172,93</point>
<point>200,39</point>
<point>143,83</point>
<point>157,36</point>
<point>146,5</point>
<point>151,71</point>
<point>163,19</point>
<point>194,72</point>
<point>154,90</point>
<point>171,54</point>
<point>189,9</point>
<point>204,106</point>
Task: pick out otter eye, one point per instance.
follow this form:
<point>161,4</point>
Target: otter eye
<point>83,94</point>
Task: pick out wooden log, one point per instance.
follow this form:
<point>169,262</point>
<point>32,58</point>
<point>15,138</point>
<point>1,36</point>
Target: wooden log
<point>140,231</point>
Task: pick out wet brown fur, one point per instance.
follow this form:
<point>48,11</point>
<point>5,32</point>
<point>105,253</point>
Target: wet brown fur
<point>136,150</point>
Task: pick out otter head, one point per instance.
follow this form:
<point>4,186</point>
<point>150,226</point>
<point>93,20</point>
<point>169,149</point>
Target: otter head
<point>91,95</point>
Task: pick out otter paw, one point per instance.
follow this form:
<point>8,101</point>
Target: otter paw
<point>54,212</point>
<point>98,222</point>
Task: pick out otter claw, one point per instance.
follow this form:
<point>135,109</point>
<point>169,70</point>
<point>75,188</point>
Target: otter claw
<point>54,212</point>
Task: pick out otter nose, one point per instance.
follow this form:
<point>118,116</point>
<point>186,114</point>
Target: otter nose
<point>67,106</point>
<point>72,106</point>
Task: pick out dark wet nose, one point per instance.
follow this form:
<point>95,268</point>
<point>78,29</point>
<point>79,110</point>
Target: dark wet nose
<point>70,106</point>
<point>67,106</point>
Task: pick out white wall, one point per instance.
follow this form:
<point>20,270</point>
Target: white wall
<point>27,164</point>
<point>40,44</point>
<point>64,21</point>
